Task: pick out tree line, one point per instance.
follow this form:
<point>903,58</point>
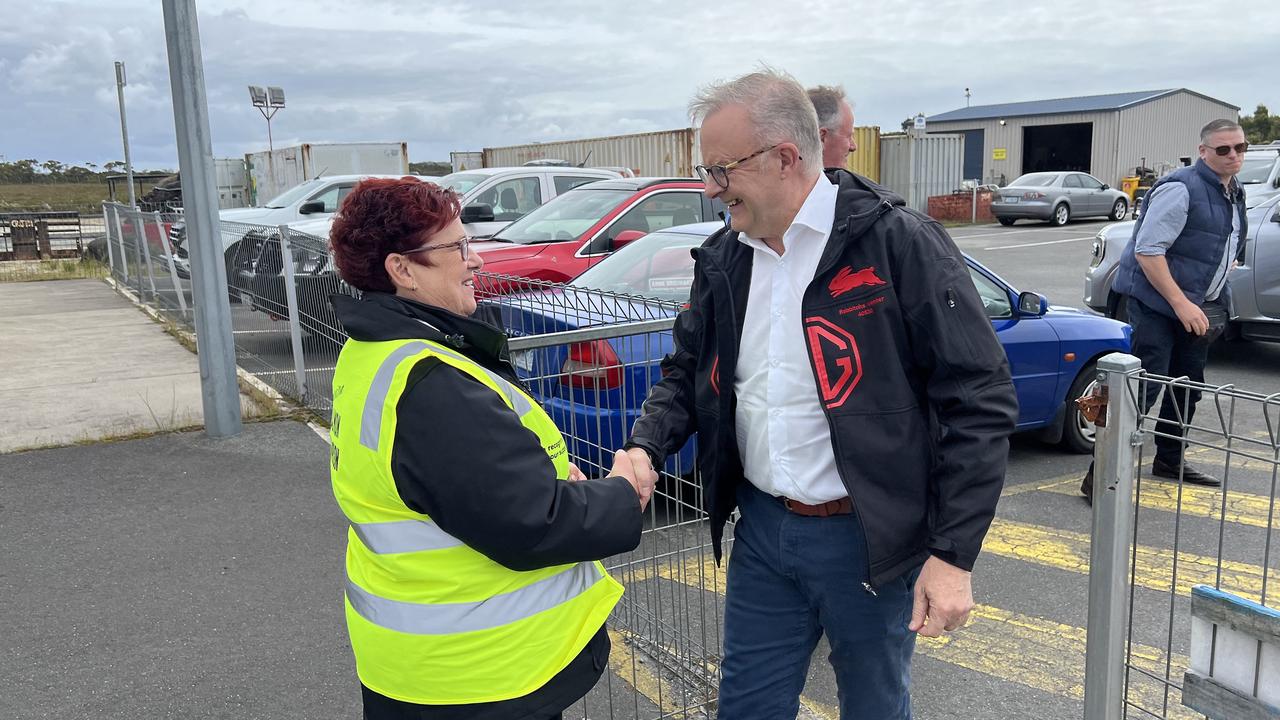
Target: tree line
<point>32,171</point>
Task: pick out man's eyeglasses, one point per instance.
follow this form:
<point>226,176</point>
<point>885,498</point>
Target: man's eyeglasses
<point>463,245</point>
<point>1222,150</point>
<point>720,173</point>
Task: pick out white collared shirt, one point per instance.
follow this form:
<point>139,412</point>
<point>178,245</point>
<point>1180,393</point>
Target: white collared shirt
<point>783,437</point>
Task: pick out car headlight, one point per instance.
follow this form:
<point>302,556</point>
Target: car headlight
<point>1099,250</point>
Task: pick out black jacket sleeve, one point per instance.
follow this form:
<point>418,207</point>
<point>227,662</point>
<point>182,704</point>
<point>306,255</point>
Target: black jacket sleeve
<point>463,458</point>
<point>668,416</point>
<point>968,387</point>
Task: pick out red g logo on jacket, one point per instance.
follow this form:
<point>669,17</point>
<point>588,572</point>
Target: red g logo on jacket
<point>836,359</point>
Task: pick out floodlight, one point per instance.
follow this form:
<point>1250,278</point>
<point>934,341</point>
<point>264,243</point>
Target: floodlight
<point>275,97</point>
<point>258,95</point>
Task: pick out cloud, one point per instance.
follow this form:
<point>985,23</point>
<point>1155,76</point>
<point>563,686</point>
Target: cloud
<point>453,75</point>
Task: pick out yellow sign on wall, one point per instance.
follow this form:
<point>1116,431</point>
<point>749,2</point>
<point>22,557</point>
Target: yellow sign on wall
<point>999,154</point>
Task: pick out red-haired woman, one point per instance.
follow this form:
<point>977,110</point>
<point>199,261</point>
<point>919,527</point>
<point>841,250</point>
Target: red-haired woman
<point>473,587</point>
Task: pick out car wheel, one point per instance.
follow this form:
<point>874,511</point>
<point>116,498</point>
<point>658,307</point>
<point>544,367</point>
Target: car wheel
<point>1006,221</point>
<point>1119,210</point>
<point>1061,214</point>
<point>1078,433</point>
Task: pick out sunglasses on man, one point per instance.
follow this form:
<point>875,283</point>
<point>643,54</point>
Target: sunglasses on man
<point>1222,150</point>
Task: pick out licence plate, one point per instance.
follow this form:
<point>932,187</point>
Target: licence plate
<point>1011,198</point>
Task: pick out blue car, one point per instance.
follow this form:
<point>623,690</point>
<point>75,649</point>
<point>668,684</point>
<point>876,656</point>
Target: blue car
<point>593,388</point>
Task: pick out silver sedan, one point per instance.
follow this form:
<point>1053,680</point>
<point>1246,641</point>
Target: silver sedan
<point>1058,197</point>
<point>1255,284</point>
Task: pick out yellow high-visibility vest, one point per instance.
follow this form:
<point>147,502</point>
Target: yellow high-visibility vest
<point>431,620</point>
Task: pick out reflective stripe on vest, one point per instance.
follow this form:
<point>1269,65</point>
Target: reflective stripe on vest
<point>400,536</point>
<point>371,418</point>
<point>450,618</point>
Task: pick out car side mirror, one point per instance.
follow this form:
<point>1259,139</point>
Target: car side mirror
<point>1275,217</point>
<point>1032,304</point>
<point>311,208</point>
<point>626,237</point>
<point>1276,183</point>
<point>477,213</point>
<point>1106,186</point>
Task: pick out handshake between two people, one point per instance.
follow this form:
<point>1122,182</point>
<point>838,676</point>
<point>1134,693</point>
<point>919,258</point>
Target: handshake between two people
<point>634,466</point>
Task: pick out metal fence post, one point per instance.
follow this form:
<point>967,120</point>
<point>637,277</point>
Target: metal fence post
<point>1104,685</point>
<point>173,271</point>
<point>146,252</point>
<point>111,253</point>
<point>124,257</point>
<point>295,325</point>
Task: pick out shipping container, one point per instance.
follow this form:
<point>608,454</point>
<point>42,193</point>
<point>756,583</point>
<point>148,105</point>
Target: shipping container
<point>670,153</point>
<point>233,183</point>
<point>866,159</point>
<point>466,160</point>
<point>919,167</point>
<point>272,173</point>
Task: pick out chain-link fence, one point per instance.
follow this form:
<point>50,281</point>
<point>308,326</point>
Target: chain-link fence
<point>1157,534</point>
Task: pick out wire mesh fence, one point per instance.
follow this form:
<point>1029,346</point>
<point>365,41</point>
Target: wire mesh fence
<point>1158,534</point>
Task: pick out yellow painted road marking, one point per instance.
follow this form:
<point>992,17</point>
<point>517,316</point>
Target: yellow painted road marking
<point>1067,550</point>
<point>1030,651</point>
<point>1243,508</point>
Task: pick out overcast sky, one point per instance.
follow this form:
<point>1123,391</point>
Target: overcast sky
<point>445,75</point>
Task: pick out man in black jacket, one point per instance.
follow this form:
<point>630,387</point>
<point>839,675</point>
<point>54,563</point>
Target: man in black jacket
<point>836,357</point>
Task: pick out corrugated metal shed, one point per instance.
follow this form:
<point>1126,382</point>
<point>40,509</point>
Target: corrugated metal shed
<point>1161,126</point>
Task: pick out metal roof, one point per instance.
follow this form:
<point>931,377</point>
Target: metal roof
<point>1087,103</point>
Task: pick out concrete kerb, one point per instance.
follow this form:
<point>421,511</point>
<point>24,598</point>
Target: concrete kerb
<point>273,405</point>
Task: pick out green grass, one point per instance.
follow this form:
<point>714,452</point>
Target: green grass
<point>31,270</point>
<point>37,197</point>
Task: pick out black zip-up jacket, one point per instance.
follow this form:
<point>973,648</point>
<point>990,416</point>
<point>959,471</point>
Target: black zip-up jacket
<point>914,384</point>
<point>462,457</point>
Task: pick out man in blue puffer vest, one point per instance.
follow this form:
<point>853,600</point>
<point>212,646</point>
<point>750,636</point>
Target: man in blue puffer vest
<point>1174,272</point>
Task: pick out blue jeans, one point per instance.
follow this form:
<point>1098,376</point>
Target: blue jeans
<point>792,578</point>
<point>1166,348</point>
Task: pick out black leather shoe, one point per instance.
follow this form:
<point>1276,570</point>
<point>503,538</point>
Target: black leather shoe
<point>1086,486</point>
<point>1186,472</point>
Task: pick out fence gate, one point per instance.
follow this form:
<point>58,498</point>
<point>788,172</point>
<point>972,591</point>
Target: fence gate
<point>1160,541</point>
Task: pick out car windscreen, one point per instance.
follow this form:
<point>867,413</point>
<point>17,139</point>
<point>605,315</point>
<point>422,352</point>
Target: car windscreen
<point>657,265</point>
<point>294,194</point>
<point>1035,180</point>
<point>1257,167</point>
<point>566,217</point>
<point>462,182</point>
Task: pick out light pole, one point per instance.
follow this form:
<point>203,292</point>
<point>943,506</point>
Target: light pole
<point>124,131</point>
<point>269,101</point>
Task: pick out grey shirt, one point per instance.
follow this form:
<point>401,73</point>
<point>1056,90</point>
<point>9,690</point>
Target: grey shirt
<point>1165,214</point>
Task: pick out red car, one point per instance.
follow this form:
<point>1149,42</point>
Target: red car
<point>561,239</point>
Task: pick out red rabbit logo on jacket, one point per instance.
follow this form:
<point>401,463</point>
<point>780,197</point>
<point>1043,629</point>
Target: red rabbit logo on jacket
<point>847,280</point>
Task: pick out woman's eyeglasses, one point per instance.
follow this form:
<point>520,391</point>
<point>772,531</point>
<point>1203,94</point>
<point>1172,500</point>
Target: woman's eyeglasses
<point>463,245</point>
<point>1222,150</point>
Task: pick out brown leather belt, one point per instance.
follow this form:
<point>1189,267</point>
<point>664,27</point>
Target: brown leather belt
<point>843,506</point>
